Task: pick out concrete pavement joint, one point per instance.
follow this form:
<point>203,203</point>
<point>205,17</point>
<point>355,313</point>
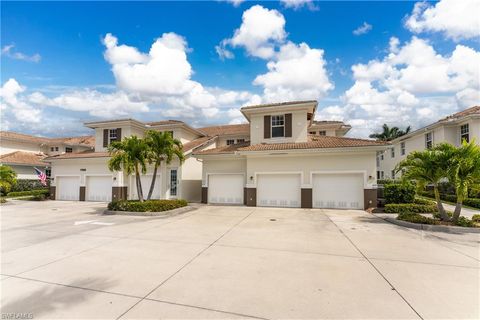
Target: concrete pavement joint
<point>427,263</point>
<point>186,264</point>
<point>377,270</point>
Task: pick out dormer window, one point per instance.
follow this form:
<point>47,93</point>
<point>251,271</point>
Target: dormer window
<point>464,133</point>
<point>322,133</point>
<point>230,142</point>
<point>278,126</point>
<point>112,134</point>
<point>68,149</point>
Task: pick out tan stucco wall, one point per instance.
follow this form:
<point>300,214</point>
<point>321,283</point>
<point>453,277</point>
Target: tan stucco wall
<point>299,128</point>
<point>93,166</point>
<point>222,166</point>
<point>26,172</point>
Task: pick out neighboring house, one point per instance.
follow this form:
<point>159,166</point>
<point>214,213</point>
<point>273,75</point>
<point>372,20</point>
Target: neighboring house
<point>24,152</point>
<point>463,125</point>
<point>85,176</point>
<point>282,165</point>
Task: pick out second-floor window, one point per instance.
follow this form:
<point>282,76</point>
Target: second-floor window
<point>56,148</point>
<point>464,133</point>
<point>278,126</point>
<point>68,150</point>
<point>112,135</point>
<point>230,142</point>
<point>322,133</point>
<point>240,140</point>
<point>312,132</point>
<point>428,140</point>
<point>52,149</point>
<point>402,148</point>
<point>392,152</point>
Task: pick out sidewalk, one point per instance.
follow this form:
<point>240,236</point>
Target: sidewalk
<point>466,212</point>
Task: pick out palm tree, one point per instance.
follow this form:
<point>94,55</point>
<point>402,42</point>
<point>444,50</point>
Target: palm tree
<point>388,133</point>
<point>464,172</point>
<point>161,147</point>
<point>8,178</point>
<point>429,166</point>
<point>130,154</point>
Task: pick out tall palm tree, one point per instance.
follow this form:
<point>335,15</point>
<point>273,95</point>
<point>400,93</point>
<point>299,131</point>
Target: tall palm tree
<point>130,154</point>
<point>429,166</point>
<point>161,147</point>
<point>8,178</point>
<point>388,133</point>
<point>464,172</point>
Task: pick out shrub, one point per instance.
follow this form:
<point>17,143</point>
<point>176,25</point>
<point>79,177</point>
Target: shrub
<point>476,218</point>
<point>38,197</point>
<point>424,201</point>
<point>399,193</point>
<point>387,181</point>
<point>27,185</point>
<point>409,208</point>
<point>146,206</point>
<point>3,200</point>
<point>472,202</point>
<point>415,218</point>
<point>44,192</point>
<point>465,222</point>
<point>436,215</point>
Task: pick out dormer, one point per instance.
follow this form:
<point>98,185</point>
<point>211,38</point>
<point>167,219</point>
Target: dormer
<point>329,128</point>
<point>280,122</point>
<point>114,130</point>
<point>179,129</point>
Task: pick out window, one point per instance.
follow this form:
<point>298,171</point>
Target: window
<point>48,172</point>
<point>278,126</point>
<point>392,152</point>
<point>322,133</point>
<point>312,132</point>
<point>464,133</point>
<point>56,148</point>
<point>393,174</point>
<point>52,149</point>
<point>173,182</point>
<point>112,134</point>
<point>381,156</point>
<point>378,175</point>
<point>402,148</point>
<point>429,140</point>
<point>382,175</point>
<point>240,140</point>
<point>230,142</point>
<point>68,150</point>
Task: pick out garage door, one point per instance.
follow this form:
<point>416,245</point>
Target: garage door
<point>99,188</point>
<point>146,181</point>
<point>68,188</point>
<point>341,191</point>
<point>225,188</point>
<point>278,190</point>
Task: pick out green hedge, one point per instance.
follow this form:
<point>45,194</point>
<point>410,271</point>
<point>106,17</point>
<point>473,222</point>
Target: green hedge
<point>27,185</point>
<point>472,202</point>
<point>409,208</point>
<point>415,218</point>
<point>146,206</point>
<point>476,218</point>
<point>28,193</point>
<point>424,201</point>
<point>399,193</point>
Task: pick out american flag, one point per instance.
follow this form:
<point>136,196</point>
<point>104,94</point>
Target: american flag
<point>42,176</point>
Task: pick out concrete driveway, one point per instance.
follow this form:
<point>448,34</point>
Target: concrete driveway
<point>65,260</point>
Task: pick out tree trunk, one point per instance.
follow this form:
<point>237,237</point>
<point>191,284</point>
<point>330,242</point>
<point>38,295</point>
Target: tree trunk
<point>139,184</point>
<point>441,210</point>
<point>458,209</point>
<point>152,185</point>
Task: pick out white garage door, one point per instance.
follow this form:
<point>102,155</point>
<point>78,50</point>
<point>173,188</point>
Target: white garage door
<point>146,181</point>
<point>225,188</point>
<point>99,188</point>
<point>278,190</point>
<point>340,191</point>
<point>68,188</point>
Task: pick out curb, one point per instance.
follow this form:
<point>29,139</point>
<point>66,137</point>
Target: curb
<point>430,227</point>
<point>162,214</point>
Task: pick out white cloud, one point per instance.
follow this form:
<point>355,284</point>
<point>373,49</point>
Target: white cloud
<point>235,3</point>
<point>297,4</point>
<point>223,52</point>
<point>363,29</point>
<point>11,102</point>
<point>260,31</point>
<point>456,19</point>
<point>9,52</point>
<point>410,80</point>
<point>297,72</point>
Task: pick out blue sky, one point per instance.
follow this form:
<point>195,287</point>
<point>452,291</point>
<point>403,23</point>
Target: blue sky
<point>57,70</point>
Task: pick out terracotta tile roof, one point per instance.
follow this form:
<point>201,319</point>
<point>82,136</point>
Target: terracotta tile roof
<point>278,104</point>
<point>79,155</point>
<point>88,141</point>
<point>23,158</point>
<point>233,129</point>
<point>463,113</point>
<point>22,137</point>
<point>315,142</point>
<point>195,143</point>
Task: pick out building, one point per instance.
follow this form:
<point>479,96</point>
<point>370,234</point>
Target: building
<point>23,152</point>
<point>463,125</point>
<point>290,160</point>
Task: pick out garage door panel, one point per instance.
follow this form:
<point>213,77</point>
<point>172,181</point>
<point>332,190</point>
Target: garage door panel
<point>225,188</point>
<point>68,188</point>
<point>340,191</point>
<point>99,188</point>
<point>279,190</point>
